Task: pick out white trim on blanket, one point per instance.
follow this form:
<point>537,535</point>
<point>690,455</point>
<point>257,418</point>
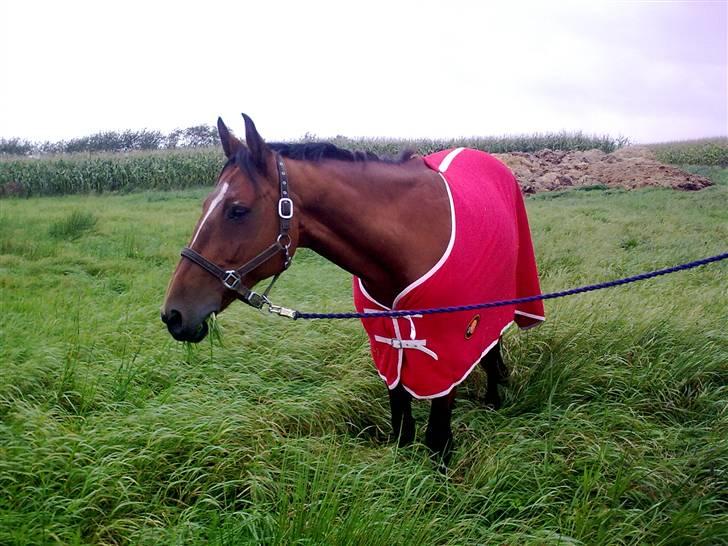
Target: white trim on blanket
<point>465,375</point>
<point>370,297</point>
<point>448,159</point>
<point>435,268</point>
<point>400,354</point>
<point>442,168</point>
<point>397,333</point>
<point>529,315</point>
<point>538,318</point>
<point>366,310</point>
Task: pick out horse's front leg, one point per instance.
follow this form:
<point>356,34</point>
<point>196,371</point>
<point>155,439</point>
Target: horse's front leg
<point>439,433</point>
<point>403,424</point>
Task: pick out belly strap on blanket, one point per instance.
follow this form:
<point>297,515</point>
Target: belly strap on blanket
<point>401,344</point>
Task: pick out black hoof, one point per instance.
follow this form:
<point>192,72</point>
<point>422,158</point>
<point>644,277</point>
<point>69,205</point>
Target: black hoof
<point>492,399</point>
<point>441,459</point>
<point>441,448</point>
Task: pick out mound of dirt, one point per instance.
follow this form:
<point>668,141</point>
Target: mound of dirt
<point>629,168</point>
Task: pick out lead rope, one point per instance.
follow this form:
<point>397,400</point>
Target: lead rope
<point>296,315</point>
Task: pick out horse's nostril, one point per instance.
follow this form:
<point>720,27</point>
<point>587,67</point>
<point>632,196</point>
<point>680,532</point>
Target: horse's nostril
<point>181,329</point>
<point>172,319</point>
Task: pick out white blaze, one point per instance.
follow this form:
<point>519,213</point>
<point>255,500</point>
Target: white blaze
<point>215,203</point>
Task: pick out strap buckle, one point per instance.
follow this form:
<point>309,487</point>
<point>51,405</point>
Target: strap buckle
<point>231,279</point>
<point>256,300</point>
<point>285,208</point>
<point>401,344</point>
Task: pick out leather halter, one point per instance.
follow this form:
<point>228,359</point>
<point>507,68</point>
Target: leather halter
<point>233,278</point>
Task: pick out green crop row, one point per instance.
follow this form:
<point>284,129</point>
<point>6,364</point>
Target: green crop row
<point>98,173</point>
<point>495,144</point>
<point>179,169</point>
<point>706,151</point>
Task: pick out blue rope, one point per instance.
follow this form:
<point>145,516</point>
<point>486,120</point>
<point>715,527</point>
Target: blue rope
<point>552,295</point>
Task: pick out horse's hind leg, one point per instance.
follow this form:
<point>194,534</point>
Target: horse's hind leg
<point>439,432</point>
<point>497,374</point>
<point>403,424</point>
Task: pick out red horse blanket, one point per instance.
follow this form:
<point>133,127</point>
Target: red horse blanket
<point>489,257</point>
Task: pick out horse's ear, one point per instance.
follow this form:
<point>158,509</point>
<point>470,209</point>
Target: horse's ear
<point>230,144</point>
<point>259,151</point>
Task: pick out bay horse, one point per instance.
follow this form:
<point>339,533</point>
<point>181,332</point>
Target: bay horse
<point>390,223</point>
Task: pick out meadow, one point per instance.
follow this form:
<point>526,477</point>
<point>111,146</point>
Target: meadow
<point>614,428</point>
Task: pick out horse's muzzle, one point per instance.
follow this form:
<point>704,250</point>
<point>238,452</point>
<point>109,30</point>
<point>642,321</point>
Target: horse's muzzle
<point>181,331</point>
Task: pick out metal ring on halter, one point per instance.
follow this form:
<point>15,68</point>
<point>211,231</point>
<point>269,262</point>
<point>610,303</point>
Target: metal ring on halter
<point>231,280</point>
<point>287,238</point>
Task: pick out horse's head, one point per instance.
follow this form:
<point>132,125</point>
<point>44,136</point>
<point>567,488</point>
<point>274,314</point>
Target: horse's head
<point>245,233</point>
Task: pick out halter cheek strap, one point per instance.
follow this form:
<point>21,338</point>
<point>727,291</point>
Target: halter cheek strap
<point>233,278</point>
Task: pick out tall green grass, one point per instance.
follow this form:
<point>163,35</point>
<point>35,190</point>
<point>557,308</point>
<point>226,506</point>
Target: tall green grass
<point>73,225</point>
<point>614,428</point>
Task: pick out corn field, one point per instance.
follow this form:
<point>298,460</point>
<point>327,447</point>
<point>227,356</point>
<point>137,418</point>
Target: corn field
<point>99,173</point>
<point>705,151</point>
<point>184,168</point>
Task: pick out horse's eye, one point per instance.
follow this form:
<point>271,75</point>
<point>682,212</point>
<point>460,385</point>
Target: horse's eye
<point>237,212</point>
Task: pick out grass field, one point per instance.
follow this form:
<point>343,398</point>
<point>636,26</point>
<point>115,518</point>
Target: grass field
<point>614,429</point>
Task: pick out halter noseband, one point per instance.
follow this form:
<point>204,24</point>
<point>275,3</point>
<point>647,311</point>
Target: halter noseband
<point>233,278</point>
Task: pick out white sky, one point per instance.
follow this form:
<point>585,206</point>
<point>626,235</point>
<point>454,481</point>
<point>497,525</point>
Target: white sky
<point>651,71</point>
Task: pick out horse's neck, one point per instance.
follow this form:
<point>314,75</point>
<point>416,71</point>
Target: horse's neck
<point>387,224</point>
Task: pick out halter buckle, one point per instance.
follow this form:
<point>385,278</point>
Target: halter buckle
<point>285,208</point>
<point>256,300</point>
<point>231,280</point>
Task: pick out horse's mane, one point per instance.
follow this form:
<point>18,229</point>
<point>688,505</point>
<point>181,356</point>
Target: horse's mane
<point>315,151</point>
<point>319,151</point>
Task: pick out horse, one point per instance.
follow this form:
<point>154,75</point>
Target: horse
<point>392,224</point>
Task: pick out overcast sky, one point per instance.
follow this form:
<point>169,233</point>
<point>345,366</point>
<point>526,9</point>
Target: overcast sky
<point>651,71</point>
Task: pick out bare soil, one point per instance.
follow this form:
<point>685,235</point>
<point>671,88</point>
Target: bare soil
<point>628,168</point>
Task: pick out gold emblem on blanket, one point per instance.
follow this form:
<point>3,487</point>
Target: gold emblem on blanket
<point>472,325</point>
